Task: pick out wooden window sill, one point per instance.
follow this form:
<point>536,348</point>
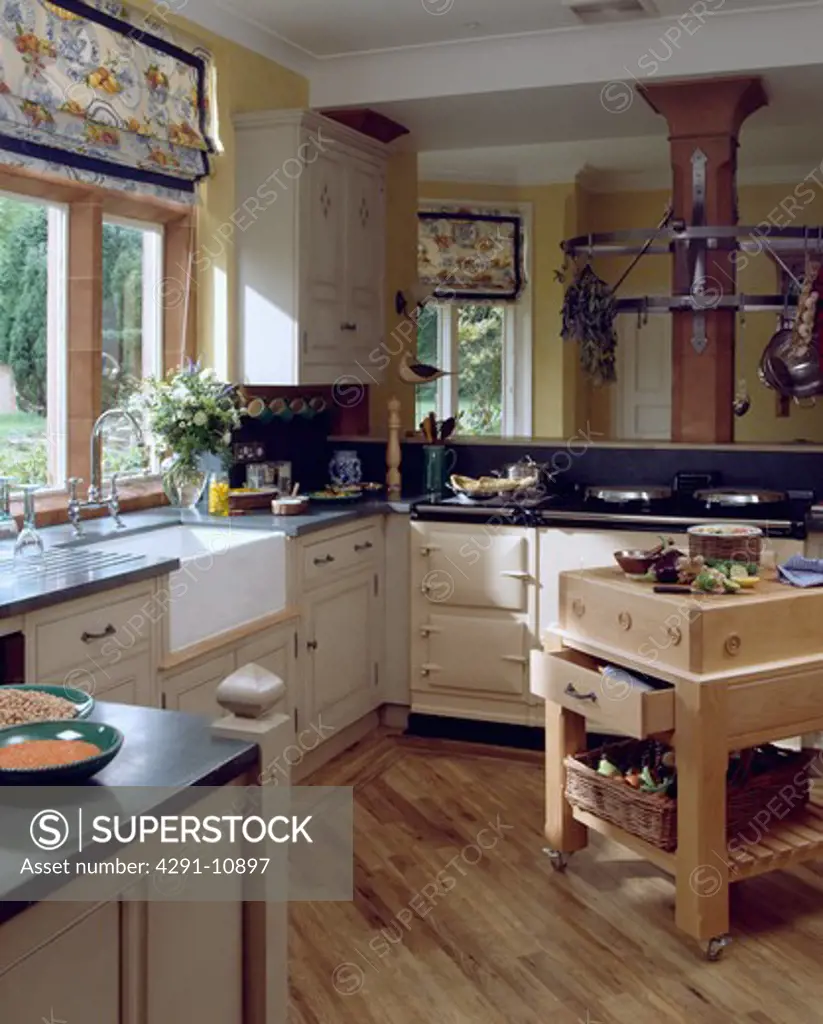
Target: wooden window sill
<point>52,509</point>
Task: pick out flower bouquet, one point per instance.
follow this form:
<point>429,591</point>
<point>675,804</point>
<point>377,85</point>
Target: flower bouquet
<point>189,413</point>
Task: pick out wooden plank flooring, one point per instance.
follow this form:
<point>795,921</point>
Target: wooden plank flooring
<point>458,917</point>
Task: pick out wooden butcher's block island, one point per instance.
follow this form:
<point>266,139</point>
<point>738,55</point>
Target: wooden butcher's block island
<point>742,669</point>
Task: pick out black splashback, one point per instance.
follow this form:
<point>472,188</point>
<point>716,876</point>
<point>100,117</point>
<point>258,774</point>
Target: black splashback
<point>299,441</point>
<point>583,463</point>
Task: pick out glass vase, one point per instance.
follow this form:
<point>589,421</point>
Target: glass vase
<point>183,482</point>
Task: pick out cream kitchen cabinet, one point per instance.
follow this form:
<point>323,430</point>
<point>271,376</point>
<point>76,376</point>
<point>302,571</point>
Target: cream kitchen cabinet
<point>192,685</point>
<point>61,963</point>
<point>106,645</point>
<point>339,577</point>
<point>310,247</point>
<point>343,640</point>
<point>473,621</point>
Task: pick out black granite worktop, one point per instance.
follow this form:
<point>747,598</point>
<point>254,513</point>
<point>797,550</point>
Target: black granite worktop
<point>164,754</point>
<point>27,591</point>
<point>21,593</point>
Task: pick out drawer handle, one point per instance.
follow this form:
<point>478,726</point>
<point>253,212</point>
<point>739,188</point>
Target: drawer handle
<point>324,561</point>
<point>364,547</point>
<point>571,692</point>
<point>579,607</point>
<point>675,635</point>
<point>311,645</point>
<point>88,638</point>
<point>625,621</point>
<point>733,644</point>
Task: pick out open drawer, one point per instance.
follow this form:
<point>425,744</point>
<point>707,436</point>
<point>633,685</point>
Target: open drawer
<point>573,680</point>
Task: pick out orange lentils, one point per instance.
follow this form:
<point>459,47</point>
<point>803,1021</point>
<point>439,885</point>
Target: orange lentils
<point>45,754</point>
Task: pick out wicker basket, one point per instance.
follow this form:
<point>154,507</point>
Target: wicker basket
<point>740,547</point>
<point>653,816</point>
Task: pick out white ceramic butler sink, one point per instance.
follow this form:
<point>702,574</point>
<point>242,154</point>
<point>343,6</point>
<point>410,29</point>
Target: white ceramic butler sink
<point>227,577</point>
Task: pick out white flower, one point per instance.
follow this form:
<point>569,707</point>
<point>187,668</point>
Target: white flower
<point>227,438</point>
<point>200,419</point>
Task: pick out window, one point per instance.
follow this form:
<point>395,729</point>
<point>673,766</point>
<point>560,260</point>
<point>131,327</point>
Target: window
<point>132,330</point>
<point>470,341</point>
<point>32,340</point>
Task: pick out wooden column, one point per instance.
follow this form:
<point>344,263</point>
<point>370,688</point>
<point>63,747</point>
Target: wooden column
<point>704,118</point>
<point>84,370</point>
<point>177,293</point>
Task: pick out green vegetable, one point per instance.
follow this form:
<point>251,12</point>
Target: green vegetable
<point>738,571</point>
<point>731,586</point>
<point>607,768</point>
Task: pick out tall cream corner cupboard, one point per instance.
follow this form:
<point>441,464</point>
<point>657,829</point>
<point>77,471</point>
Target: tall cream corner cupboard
<point>309,235</point>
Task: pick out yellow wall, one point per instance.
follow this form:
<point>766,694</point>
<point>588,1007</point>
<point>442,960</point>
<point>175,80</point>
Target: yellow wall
<point>401,275</point>
<point>558,402</point>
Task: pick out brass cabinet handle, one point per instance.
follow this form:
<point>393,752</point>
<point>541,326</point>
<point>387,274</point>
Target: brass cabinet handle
<point>675,635</point>
<point>570,691</point>
<point>324,561</point>
<point>625,621</point>
<point>88,638</point>
<point>733,644</point>
<point>579,607</point>
<point>364,547</point>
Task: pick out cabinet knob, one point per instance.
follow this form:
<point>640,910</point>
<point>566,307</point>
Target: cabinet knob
<point>579,607</point>
<point>347,325</point>
<point>364,547</point>
<point>625,621</point>
<point>311,645</point>
<point>733,644</point>
<point>326,560</point>
<point>675,635</point>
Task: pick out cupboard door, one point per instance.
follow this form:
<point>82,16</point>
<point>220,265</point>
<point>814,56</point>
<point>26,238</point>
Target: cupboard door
<point>194,689</point>
<point>365,256</point>
<point>476,569</point>
<point>475,653</point>
<point>73,977</point>
<point>343,667</point>
<point>323,300</point>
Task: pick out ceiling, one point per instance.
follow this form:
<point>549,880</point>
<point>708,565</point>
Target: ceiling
<point>512,91</point>
<point>324,29</point>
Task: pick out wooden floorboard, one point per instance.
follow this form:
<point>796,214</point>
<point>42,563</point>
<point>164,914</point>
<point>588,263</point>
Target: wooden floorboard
<point>458,917</point>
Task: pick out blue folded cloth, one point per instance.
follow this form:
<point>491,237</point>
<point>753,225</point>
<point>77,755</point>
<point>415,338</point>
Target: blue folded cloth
<point>802,572</point>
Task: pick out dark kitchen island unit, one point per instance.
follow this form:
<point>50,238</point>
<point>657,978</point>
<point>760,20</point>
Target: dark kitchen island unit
<point>136,957</point>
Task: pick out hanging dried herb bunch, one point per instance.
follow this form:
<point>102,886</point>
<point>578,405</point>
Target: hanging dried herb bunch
<point>588,318</point>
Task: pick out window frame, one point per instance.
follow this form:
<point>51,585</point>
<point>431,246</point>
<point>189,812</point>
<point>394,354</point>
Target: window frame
<point>517,418</point>
<point>75,302</point>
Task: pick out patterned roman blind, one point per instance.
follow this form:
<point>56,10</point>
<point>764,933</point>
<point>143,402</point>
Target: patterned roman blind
<point>103,94</point>
<point>465,254</point>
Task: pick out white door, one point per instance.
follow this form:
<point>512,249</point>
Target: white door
<point>365,256</point>
<point>643,394</point>
<point>323,263</point>
<point>343,673</point>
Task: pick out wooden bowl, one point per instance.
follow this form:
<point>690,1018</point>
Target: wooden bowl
<point>634,562</point>
<point>290,506</point>
<point>245,500</point>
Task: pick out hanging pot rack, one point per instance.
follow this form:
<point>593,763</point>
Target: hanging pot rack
<point>675,238</point>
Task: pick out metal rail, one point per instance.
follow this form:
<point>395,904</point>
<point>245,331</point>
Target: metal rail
<point>739,237</point>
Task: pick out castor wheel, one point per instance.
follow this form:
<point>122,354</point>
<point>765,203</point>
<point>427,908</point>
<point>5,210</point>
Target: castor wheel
<point>715,947</point>
<point>559,860</point>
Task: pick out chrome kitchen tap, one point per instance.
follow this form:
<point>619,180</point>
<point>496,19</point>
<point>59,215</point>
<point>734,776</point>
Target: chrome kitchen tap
<point>94,498</point>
